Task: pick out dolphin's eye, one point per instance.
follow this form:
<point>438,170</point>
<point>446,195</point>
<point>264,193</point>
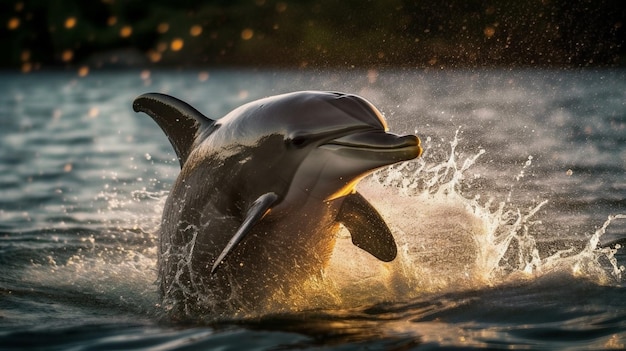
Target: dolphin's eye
<point>299,141</point>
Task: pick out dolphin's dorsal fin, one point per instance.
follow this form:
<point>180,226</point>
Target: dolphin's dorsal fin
<point>180,122</point>
<point>367,228</point>
<point>256,212</point>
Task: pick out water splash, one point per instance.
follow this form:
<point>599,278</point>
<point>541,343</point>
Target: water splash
<point>111,262</point>
<point>448,242</point>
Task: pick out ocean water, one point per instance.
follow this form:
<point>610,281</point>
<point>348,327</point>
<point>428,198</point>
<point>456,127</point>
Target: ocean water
<point>511,227</point>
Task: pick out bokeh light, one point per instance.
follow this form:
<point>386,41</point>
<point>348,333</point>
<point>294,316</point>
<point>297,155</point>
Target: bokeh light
<point>195,30</point>
<point>93,112</point>
<point>281,7</point>
<point>161,47</point>
<point>489,31</point>
<point>154,56</point>
<point>27,67</point>
<point>203,76</point>
<point>305,33</point>
<point>13,23</point>
<point>163,27</point>
<point>67,55</point>
<point>126,31</point>
<point>25,55</point>
<point>70,22</point>
<point>177,44</point>
<point>247,34</point>
<point>83,71</point>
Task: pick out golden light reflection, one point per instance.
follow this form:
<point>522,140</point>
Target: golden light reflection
<point>27,67</point>
<point>13,23</point>
<point>195,30</point>
<point>247,34</point>
<point>346,190</point>
<point>154,56</point>
<point>161,46</point>
<point>111,21</point>
<point>281,7</point>
<point>83,71</point>
<point>19,6</point>
<point>70,22</point>
<point>203,76</point>
<point>489,31</point>
<point>93,112</point>
<point>25,55</point>
<point>243,94</point>
<point>67,55</point>
<point>372,76</point>
<point>163,27</point>
<point>145,74</point>
<point>177,44</point>
<point>126,31</point>
<point>615,343</point>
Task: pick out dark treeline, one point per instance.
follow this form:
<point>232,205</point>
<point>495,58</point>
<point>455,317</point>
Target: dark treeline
<point>312,33</point>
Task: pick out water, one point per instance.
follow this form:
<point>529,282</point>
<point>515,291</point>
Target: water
<point>510,228</point>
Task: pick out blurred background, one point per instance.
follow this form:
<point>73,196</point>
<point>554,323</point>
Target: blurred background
<point>92,34</point>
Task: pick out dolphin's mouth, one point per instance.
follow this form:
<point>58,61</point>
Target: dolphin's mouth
<point>376,143</point>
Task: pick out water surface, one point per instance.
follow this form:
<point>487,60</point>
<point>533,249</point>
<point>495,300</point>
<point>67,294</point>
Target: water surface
<point>509,227</point>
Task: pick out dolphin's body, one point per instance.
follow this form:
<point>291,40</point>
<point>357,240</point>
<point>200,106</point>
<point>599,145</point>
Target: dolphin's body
<point>261,194</point>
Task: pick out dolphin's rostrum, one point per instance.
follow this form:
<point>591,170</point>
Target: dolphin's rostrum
<point>261,194</point>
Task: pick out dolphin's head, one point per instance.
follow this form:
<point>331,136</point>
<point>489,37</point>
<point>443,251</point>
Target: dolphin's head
<point>350,141</point>
<point>327,141</point>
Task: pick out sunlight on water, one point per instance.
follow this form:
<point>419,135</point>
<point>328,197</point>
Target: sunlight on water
<point>451,243</point>
<point>447,243</point>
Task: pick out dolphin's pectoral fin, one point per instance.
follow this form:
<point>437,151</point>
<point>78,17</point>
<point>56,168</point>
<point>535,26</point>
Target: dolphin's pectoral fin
<point>367,228</point>
<point>180,122</point>
<point>256,212</point>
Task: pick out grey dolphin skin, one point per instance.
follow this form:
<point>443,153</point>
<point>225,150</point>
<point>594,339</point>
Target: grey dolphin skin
<point>261,193</point>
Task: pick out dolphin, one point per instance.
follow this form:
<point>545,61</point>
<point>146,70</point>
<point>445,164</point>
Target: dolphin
<point>262,192</point>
